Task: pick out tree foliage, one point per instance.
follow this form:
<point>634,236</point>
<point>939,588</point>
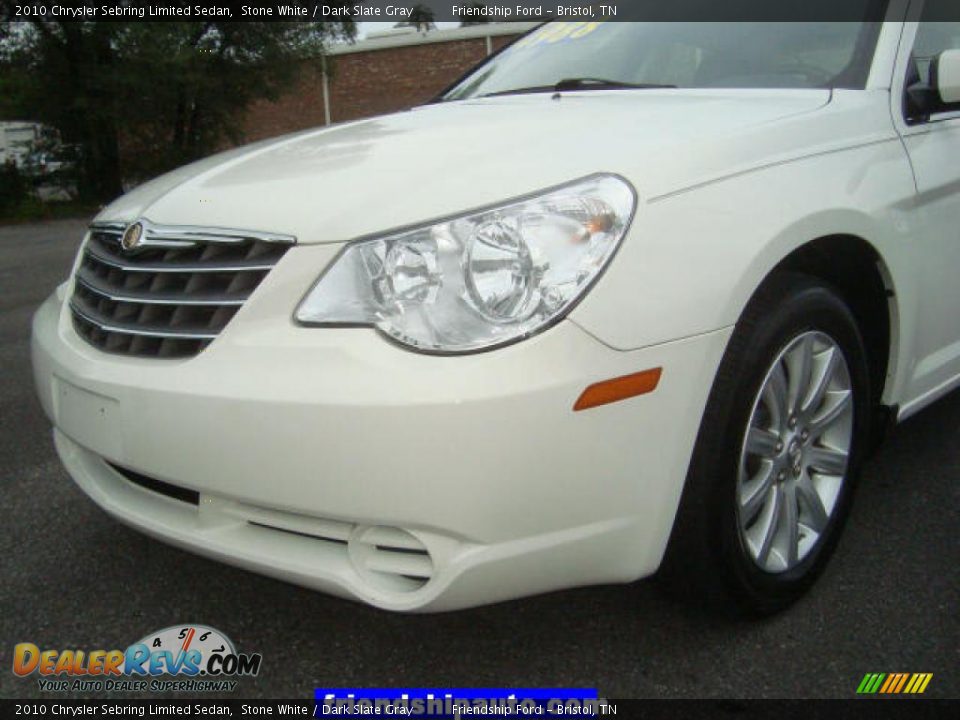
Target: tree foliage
<point>480,19</point>
<point>421,17</point>
<point>13,188</point>
<point>138,98</point>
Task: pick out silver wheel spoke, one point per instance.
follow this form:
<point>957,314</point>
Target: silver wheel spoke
<point>769,524</point>
<point>762,442</point>
<point>775,393</point>
<point>824,375</point>
<point>816,515</point>
<point>827,365</point>
<point>827,460</point>
<point>834,406</point>
<point>752,497</point>
<point>799,368</point>
<point>790,525</point>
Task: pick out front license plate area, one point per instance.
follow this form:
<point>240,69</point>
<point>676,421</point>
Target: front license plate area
<point>91,419</point>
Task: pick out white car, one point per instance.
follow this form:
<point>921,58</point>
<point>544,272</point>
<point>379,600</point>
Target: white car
<point>625,292</point>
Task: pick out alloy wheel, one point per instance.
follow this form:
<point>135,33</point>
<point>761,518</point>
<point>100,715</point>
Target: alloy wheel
<point>795,452</point>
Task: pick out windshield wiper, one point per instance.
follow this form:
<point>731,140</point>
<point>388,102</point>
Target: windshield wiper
<point>591,83</point>
<point>584,83</point>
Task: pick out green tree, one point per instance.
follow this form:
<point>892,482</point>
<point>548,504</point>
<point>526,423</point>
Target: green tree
<point>479,19</point>
<point>421,17</point>
<point>139,98</point>
<point>13,188</point>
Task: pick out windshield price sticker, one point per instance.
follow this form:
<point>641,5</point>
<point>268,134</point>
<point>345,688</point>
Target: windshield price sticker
<point>558,32</point>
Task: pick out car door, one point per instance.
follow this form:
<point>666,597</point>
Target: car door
<point>931,136</point>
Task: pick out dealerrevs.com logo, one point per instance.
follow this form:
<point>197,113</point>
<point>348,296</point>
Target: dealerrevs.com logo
<point>200,658</point>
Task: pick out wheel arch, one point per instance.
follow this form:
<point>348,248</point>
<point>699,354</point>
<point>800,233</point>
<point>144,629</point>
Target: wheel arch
<point>856,269</point>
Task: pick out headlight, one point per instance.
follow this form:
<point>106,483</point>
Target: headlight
<point>479,280</point>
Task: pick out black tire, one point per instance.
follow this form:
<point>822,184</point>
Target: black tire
<point>706,550</point>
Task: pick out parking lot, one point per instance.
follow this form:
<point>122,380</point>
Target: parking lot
<point>74,578</point>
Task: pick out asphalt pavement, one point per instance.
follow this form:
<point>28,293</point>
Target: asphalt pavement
<point>73,578</point>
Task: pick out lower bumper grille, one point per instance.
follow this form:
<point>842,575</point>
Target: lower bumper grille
<point>174,492</point>
<point>166,291</point>
<point>388,558</point>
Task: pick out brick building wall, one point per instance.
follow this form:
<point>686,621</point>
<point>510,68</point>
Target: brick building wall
<point>376,77</point>
<point>300,108</point>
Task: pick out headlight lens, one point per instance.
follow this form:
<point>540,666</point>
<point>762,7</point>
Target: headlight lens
<point>480,280</point>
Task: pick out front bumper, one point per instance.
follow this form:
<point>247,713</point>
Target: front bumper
<point>313,450</point>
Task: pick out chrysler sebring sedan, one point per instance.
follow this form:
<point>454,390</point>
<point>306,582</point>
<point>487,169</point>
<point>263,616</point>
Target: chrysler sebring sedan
<point>626,296</point>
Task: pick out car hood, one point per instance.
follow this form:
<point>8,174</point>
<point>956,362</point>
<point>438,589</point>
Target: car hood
<point>346,181</point>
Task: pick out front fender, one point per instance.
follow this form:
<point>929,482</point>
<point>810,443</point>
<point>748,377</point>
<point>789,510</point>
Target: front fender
<point>693,259</point>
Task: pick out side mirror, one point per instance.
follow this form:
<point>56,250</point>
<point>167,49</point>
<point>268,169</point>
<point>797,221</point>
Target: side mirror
<point>945,76</point>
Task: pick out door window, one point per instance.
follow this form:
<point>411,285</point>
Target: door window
<point>933,37</point>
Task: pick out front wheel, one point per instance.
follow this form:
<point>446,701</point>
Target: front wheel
<point>779,449</point>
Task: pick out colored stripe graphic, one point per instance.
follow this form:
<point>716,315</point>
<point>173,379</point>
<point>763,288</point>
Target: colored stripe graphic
<point>918,683</point>
<point>871,683</point>
<point>894,683</point>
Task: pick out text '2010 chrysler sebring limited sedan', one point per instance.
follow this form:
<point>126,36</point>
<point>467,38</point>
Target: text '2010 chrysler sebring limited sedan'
<point>626,295</point>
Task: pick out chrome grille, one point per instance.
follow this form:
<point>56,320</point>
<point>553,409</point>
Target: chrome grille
<point>173,291</point>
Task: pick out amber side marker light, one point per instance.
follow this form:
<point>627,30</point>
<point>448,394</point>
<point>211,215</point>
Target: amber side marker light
<point>619,388</point>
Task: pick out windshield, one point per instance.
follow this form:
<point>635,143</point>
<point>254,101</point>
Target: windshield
<point>687,55</point>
